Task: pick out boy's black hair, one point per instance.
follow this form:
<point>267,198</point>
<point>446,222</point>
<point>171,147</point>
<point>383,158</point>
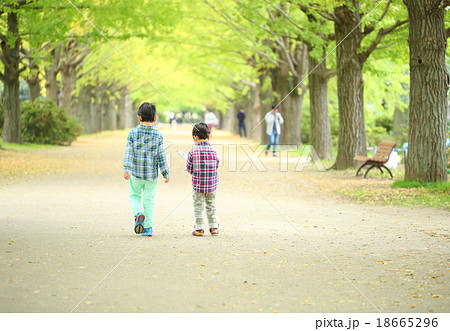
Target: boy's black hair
<point>147,112</point>
<point>201,131</point>
<point>274,106</point>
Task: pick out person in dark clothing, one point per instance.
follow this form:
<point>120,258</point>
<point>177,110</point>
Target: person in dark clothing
<point>241,117</point>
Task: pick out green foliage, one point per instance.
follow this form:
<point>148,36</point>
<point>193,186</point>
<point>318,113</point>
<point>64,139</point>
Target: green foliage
<point>306,124</point>
<point>385,121</point>
<point>45,123</point>
<point>1,119</point>
<point>375,135</point>
<point>448,157</point>
<point>443,187</point>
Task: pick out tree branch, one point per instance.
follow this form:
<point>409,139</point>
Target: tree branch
<point>285,15</point>
<point>327,74</point>
<point>381,34</point>
<point>82,56</point>
<point>386,46</point>
<point>371,27</point>
<point>245,82</point>
<point>445,3</point>
<point>288,57</point>
<point>18,4</point>
<point>385,10</point>
<point>226,97</point>
<point>306,9</point>
<point>5,57</point>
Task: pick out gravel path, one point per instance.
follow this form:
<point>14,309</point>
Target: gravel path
<point>67,244</point>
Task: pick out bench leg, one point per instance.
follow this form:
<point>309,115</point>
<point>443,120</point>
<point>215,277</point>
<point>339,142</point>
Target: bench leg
<point>390,173</point>
<point>359,169</point>
<point>369,170</point>
<point>381,169</point>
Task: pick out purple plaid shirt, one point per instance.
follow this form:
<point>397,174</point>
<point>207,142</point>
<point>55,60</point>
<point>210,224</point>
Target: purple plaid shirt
<point>202,164</point>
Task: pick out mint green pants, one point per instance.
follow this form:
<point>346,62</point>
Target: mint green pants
<point>145,190</point>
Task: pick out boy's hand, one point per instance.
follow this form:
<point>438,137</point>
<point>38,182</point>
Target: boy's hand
<point>126,175</point>
<point>166,180</point>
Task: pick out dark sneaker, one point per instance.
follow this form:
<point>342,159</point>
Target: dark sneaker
<point>214,231</point>
<point>138,223</point>
<point>198,233</point>
<point>148,232</point>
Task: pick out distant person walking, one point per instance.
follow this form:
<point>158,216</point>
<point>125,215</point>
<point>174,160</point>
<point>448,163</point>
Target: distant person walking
<point>241,118</point>
<point>210,120</point>
<point>274,120</point>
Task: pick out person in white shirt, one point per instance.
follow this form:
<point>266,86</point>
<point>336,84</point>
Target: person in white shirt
<point>210,120</point>
<point>274,120</point>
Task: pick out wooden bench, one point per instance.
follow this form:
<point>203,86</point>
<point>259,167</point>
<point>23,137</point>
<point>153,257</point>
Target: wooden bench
<point>381,156</point>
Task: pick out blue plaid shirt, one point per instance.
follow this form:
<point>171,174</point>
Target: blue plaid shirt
<point>145,153</point>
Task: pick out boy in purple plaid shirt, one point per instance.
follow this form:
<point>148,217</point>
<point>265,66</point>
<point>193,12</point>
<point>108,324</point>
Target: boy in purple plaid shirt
<point>202,164</point>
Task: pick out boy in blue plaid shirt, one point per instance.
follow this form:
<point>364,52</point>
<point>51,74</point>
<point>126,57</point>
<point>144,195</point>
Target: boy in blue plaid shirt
<point>143,156</point>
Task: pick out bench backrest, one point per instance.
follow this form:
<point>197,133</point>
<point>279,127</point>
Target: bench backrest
<point>384,151</point>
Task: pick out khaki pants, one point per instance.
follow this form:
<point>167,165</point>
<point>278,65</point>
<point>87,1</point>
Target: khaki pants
<point>200,199</point>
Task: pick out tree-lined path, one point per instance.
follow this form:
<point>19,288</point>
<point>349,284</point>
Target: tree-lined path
<point>62,233</point>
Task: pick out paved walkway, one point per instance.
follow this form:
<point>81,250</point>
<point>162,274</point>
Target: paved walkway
<point>66,243</point>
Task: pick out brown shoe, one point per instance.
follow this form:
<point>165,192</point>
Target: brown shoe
<point>198,233</point>
<point>214,231</point>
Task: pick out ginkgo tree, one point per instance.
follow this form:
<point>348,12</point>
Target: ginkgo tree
<point>48,25</point>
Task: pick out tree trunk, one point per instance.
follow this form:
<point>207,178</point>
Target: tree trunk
<point>121,113</point>
<point>299,89</point>
<point>130,115</point>
<point>33,81</point>
<point>400,124</point>
<point>83,107</point>
<point>11,108</point>
<point>34,87</point>
<point>228,123</point>
<point>350,88</point>
<point>120,110</point>
<point>96,110</point>
<point>110,112</point>
<point>429,83</point>
<point>297,107</point>
<point>68,81</point>
<point>104,105</point>
<point>233,122</point>
<point>280,84</point>
<point>255,118</point>
<point>51,73</point>
<point>318,98</point>
<point>11,86</point>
